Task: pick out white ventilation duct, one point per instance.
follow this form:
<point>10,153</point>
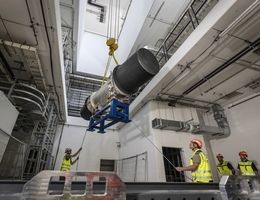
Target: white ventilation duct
<point>219,116</point>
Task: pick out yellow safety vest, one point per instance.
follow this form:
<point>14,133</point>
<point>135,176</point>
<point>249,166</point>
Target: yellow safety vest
<point>246,168</point>
<point>223,169</point>
<point>203,172</point>
<point>65,164</point>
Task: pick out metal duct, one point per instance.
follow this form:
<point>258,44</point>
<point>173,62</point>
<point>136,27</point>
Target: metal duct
<point>167,124</point>
<point>219,116</point>
<point>221,119</point>
<point>172,125</point>
<point>124,81</point>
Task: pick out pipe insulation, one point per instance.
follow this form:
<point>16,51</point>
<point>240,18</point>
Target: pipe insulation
<point>124,81</point>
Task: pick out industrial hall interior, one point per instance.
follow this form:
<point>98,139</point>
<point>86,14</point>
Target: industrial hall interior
<point>162,92</point>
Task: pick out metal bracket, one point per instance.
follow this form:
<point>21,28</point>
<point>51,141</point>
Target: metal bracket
<point>118,112</point>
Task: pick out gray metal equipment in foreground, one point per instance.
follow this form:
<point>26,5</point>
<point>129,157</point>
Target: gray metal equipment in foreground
<point>240,187</point>
<point>40,187</point>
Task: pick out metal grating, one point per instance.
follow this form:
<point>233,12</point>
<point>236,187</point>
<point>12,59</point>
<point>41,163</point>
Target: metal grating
<point>80,88</point>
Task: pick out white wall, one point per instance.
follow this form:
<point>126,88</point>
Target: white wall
<point>95,146</point>
<point>172,139</point>
<point>93,54</point>
<point>245,133</point>
<point>133,141</point>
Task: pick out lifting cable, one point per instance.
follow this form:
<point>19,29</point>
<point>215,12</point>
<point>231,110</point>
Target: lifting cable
<point>112,41</point>
<point>81,147</point>
<point>159,150</point>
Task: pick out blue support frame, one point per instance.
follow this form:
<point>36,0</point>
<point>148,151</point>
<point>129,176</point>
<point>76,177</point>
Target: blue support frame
<point>118,112</point>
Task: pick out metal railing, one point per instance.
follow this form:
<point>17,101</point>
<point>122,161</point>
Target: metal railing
<point>187,23</point>
<point>132,169</point>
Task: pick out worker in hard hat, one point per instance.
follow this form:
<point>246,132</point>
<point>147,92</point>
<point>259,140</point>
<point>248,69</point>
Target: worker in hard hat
<point>224,167</point>
<point>199,164</point>
<point>67,161</point>
<point>245,166</point>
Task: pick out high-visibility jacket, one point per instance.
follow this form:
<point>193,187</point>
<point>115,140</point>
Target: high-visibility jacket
<point>223,169</point>
<point>203,172</point>
<point>65,166</point>
<point>246,168</point>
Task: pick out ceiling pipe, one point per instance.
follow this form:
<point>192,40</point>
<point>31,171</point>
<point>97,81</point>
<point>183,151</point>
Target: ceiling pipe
<point>240,18</point>
<point>229,77</point>
<point>187,98</point>
<point>243,101</point>
<point>32,24</point>
<point>224,65</point>
<point>205,108</point>
<point>222,34</point>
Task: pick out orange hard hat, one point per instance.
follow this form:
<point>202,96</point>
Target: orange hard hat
<point>219,155</point>
<point>198,142</point>
<point>243,153</point>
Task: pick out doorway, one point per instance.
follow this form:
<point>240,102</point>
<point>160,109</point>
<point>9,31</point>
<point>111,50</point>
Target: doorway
<point>173,155</point>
